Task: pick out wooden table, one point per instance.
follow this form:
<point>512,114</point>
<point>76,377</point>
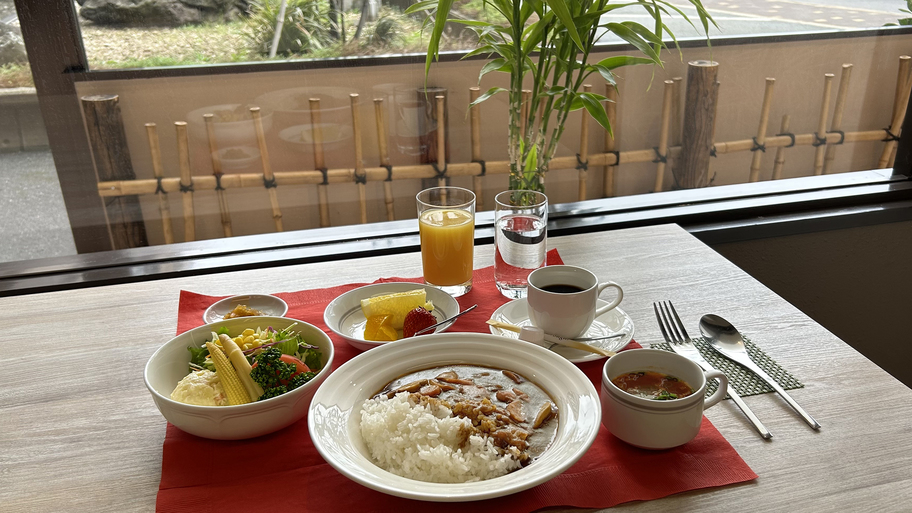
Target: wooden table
<point>79,430</point>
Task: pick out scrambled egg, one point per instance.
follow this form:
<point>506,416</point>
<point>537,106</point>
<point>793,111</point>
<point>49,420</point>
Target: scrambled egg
<point>201,388</point>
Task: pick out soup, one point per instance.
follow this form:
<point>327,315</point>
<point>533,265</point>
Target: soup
<point>652,385</point>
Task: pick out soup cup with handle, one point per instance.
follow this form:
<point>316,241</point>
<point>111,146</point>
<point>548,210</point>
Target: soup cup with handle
<point>651,423</point>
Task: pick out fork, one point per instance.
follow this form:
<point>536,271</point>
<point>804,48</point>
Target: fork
<point>676,336</point>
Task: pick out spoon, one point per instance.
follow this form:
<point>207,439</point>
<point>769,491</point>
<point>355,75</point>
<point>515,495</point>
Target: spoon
<point>724,338</point>
<point>450,320</point>
<point>538,336</point>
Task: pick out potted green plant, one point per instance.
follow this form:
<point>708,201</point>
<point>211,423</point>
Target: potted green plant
<point>545,46</point>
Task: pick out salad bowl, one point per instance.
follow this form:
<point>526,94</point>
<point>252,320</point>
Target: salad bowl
<point>170,363</point>
<point>335,412</point>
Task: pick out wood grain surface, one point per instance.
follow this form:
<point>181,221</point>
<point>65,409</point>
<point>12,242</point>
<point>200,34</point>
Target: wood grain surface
<point>79,430</point>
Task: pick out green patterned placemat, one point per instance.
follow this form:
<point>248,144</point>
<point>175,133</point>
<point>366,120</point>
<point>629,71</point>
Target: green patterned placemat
<point>743,380</point>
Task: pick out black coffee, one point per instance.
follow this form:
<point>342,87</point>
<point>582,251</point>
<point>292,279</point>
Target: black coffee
<point>562,289</point>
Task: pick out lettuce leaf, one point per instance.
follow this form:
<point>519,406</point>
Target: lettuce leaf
<point>311,356</point>
<point>199,356</point>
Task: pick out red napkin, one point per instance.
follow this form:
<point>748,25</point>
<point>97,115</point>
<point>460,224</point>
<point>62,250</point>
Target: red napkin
<point>283,471</point>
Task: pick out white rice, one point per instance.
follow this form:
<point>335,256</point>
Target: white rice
<point>422,443</point>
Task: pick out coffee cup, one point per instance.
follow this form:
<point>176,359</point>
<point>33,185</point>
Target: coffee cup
<point>652,423</point>
<point>563,299</point>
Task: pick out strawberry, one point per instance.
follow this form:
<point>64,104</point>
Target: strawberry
<point>416,320</point>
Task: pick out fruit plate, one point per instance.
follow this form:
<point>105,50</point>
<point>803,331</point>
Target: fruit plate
<point>343,315</point>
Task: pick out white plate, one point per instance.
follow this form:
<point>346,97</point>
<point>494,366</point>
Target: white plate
<point>334,416</point>
<point>269,305</point>
<point>614,321</point>
<point>344,317</point>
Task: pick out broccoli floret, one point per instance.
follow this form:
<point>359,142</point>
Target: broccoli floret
<point>300,379</point>
<point>272,392</point>
<point>270,370</point>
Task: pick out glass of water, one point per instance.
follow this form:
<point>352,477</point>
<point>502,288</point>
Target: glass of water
<point>520,239</point>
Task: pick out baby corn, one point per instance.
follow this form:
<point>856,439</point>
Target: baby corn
<point>241,365</point>
<point>236,392</point>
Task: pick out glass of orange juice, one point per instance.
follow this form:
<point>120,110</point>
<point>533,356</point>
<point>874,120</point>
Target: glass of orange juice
<point>446,224</point>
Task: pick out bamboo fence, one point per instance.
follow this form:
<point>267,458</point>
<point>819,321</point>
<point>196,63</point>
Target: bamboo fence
<point>825,142</point>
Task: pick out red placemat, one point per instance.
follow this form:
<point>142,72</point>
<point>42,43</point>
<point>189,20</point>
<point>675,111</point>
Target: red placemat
<point>283,471</point>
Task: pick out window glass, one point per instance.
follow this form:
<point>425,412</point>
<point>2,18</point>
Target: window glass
<point>184,153</point>
<point>33,219</point>
<point>142,34</point>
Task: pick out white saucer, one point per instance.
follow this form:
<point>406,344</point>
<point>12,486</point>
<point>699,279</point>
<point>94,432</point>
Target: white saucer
<point>613,321</point>
<point>268,305</point>
<point>343,315</point>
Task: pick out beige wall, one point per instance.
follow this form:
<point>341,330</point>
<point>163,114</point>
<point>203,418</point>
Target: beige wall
<point>798,68</point>
<point>855,282</point>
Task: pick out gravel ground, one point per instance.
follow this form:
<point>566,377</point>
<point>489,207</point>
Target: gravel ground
<point>206,43</point>
<point>35,222</point>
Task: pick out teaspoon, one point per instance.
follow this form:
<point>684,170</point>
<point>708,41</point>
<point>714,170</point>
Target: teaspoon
<point>449,320</point>
<point>724,338</point>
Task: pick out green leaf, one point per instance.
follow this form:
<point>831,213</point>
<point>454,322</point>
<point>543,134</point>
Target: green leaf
<point>623,60</point>
<point>533,34</point>
<point>531,163</point>
<point>499,64</point>
<point>289,346</point>
<point>562,11</point>
<point>311,356</point>
<point>644,32</point>
<point>605,72</point>
<point>704,16</point>
<point>612,7</point>
<point>593,104</point>
<point>480,50</point>
<point>554,91</point>
<point>633,38</point>
<point>489,93</point>
<point>472,23</point>
<point>673,7</point>
<point>503,7</point>
<point>421,6</point>
<point>528,8</point>
<point>198,355</point>
<point>576,103</point>
<point>505,50</point>
<point>433,52</point>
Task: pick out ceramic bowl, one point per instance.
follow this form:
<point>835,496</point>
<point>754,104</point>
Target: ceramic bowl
<point>292,106</point>
<point>334,418</point>
<point>343,315</point>
<point>301,137</point>
<point>649,423</point>
<point>232,124</point>
<point>238,157</point>
<point>270,306</point>
<point>169,364</point>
